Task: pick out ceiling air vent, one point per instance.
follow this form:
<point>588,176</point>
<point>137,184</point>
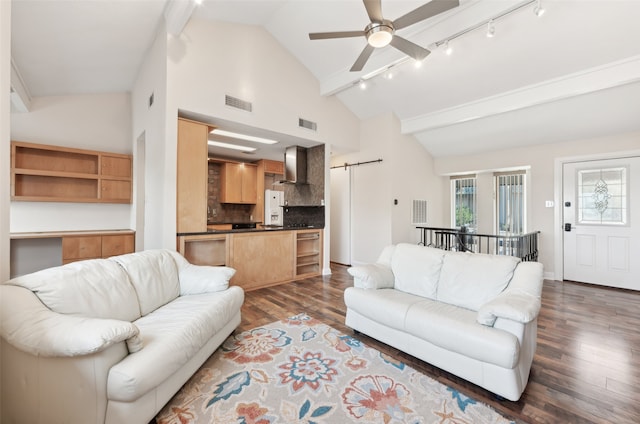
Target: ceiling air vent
<point>237,103</point>
<point>310,125</point>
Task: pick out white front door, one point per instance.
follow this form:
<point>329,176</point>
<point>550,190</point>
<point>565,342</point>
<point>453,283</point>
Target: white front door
<point>601,201</point>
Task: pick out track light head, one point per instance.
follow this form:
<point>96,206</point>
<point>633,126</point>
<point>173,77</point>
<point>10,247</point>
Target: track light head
<point>448,50</point>
<point>491,29</point>
<point>539,10</point>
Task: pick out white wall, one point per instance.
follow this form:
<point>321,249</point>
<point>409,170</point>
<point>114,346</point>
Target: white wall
<point>151,121</point>
<point>413,178</point>
<point>96,122</point>
<point>5,123</point>
<point>5,137</point>
<point>210,60</point>
<point>541,160</point>
<point>405,173</point>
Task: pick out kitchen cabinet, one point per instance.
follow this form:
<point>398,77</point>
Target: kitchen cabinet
<point>191,196</point>
<point>262,258</point>
<point>238,183</point>
<point>273,167</point>
<point>43,173</point>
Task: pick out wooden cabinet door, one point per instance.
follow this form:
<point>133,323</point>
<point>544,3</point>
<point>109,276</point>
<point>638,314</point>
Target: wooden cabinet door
<point>192,177</point>
<point>115,166</point>
<point>273,167</point>
<point>117,245</point>
<point>82,247</point>
<point>231,183</point>
<point>249,184</point>
<point>115,191</point>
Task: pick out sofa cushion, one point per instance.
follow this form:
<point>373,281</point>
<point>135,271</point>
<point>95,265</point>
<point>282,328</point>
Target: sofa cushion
<point>417,269</point>
<point>470,280</point>
<point>95,288</point>
<point>372,276</point>
<point>455,329</point>
<point>154,275</point>
<point>198,279</point>
<point>385,306</point>
<point>172,334</point>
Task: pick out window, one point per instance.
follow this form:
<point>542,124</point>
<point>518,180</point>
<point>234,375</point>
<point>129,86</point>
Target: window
<point>602,196</point>
<point>510,202</point>
<point>463,197</point>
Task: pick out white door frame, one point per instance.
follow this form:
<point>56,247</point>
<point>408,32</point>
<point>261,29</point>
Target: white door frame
<point>558,218</point>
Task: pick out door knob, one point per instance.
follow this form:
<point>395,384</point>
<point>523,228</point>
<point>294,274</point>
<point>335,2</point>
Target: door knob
<point>567,227</point>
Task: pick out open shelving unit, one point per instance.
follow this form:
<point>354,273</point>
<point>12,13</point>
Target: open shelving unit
<point>308,252</point>
<point>43,173</point>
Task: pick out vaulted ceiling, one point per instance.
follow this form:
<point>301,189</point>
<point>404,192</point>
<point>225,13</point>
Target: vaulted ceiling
<point>571,73</point>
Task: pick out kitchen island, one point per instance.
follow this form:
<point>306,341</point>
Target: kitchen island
<point>262,256</point>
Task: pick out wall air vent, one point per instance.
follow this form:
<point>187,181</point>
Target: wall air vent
<point>419,212</point>
<point>310,125</point>
<point>237,103</point>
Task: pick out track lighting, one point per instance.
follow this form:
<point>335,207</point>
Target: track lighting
<point>388,74</point>
<point>538,10</point>
<point>491,30</point>
<point>362,85</point>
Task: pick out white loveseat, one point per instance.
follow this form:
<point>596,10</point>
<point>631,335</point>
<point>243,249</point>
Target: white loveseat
<point>473,315</point>
<point>110,340</point>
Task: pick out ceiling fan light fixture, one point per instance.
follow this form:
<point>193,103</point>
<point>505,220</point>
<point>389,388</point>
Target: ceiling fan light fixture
<point>379,35</point>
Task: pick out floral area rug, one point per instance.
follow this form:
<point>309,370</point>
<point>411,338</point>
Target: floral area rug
<point>302,371</point>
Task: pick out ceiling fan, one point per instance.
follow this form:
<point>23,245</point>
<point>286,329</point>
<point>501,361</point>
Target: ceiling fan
<point>380,32</point>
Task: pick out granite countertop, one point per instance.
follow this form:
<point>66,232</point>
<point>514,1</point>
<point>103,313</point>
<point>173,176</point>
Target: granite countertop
<point>259,229</point>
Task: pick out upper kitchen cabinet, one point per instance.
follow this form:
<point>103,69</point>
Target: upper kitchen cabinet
<point>238,183</point>
<point>43,173</point>
<point>192,176</point>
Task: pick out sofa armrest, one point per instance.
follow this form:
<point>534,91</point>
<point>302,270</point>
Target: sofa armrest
<point>520,301</point>
<point>30,326</point>
<point>372,276</point>
<point>198,279</point>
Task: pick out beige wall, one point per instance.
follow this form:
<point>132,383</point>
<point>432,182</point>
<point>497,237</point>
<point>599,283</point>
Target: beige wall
<point>541,161</point>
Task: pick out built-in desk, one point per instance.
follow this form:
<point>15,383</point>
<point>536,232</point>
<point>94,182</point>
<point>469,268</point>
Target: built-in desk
<point>33,251</point>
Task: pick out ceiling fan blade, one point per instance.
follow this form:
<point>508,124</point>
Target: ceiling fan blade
<point>338,34</point>
<point>362,59</point>
<point>410,49</point>
<point>374,10</point>
<point>425,11</point>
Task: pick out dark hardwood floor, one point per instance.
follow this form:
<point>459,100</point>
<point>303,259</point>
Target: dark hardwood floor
<point>587,364</point>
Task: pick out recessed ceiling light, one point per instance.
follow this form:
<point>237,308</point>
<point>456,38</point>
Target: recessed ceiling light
<point>243,136</point>
<point>231,146</point>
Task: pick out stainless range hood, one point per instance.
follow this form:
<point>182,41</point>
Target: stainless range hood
<point>295,165</point>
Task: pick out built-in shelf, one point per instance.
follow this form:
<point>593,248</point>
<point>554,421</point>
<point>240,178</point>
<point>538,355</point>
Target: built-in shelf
<point>308,252</point>
<point>43,173</point>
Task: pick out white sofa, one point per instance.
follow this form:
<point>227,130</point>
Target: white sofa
<point>473,315</point>
<point>110,340</point>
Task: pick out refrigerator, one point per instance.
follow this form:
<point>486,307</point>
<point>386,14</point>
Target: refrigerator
<point>273,201</point>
